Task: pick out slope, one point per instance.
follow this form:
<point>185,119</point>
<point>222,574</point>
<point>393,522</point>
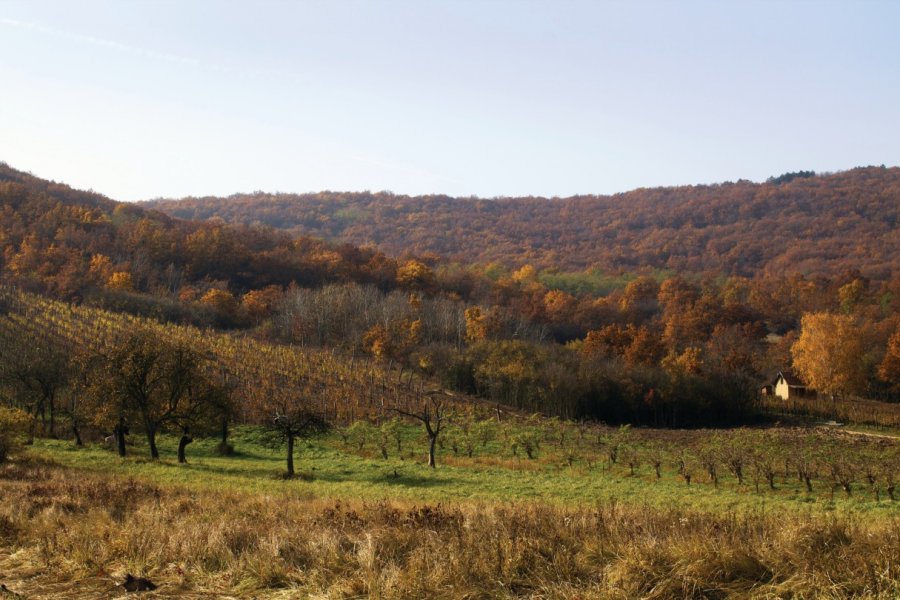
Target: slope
<point>814,225</point>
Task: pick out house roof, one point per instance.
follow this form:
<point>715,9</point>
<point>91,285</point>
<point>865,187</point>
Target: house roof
<point>791,379</point>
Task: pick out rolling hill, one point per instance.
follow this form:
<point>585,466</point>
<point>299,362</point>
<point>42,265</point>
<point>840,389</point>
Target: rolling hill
<point>797,223</point>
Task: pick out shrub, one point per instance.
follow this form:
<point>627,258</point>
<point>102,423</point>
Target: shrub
<point>13,424</point>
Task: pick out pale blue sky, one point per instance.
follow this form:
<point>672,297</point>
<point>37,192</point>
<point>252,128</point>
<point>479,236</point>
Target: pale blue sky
<point>148,99</point>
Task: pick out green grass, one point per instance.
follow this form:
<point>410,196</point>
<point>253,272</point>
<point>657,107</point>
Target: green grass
<point>329,469</point>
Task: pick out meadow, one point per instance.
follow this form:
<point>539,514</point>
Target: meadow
<point>74,521</point>
<point>332,467</point>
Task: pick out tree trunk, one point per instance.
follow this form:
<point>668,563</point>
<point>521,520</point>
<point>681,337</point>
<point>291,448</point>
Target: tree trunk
<point>77,433</point>
<point>182,444</point>
<point>224,432</point>
<point>52,418</point>
<point>151,439</point>
<point>290,456</point>
<point>432,440</point>
<point>120,430</point>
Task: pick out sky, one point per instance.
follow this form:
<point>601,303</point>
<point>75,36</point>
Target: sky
<point>141,100</point>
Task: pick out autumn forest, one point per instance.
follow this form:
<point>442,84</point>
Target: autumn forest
<point>690,298</point>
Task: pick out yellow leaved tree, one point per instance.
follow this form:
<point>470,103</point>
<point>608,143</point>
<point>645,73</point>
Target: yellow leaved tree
<point>828,353</point>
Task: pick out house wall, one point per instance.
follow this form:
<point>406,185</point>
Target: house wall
<point>781,389</point>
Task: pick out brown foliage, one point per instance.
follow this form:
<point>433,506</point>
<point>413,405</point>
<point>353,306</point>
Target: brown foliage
<point>820,225</point>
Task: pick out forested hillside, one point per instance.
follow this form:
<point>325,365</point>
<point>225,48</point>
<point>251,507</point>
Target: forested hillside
<point>663,348</point>
<point>68,243</point>
<point>796,223</point>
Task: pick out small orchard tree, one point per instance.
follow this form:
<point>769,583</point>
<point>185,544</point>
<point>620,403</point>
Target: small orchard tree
<point>485,431</point>
<point>465,433</point>
<point>526,440</point>
<point>872,471</point>
<point>573,450</point>
<point>454,438</point>
<point>210,408</point>
<point>359,433</point>
<point>296,424</point>
<point>432,413</point>
<point>762,463</point>
<point>709,460</point>
<point>392,429</point>
<point>655,453</point>
<point>614,442</point>
<point>287,410</point>
<point>632,457</point>
<point>805,459</point>
<point>843,474</point>
<point>686,464</point>
<point>733,451</point>
<point>382,438</point>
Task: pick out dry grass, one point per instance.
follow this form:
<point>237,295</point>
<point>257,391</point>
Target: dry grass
<point>64,533</point>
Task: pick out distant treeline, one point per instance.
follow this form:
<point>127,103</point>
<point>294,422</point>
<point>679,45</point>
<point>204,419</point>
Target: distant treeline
<point>796,223</point>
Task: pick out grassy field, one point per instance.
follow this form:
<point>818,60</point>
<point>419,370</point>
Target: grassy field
<point>331,468</point>
<point>75,521</point>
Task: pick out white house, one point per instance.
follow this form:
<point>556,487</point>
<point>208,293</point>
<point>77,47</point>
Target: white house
<point>787,386</point>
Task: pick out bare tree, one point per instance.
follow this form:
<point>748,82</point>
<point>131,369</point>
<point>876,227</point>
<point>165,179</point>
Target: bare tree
<point>291,415</point>
<point>432,413</point>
